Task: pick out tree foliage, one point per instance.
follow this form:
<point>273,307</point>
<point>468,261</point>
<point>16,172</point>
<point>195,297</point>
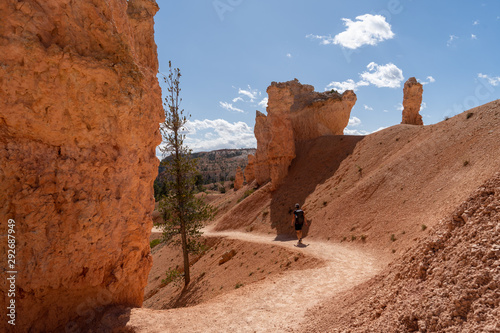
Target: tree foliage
<point>183,214</point>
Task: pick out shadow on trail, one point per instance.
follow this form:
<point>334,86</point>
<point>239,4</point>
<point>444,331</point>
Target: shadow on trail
<point>317,160</point>
<point>285,238</point>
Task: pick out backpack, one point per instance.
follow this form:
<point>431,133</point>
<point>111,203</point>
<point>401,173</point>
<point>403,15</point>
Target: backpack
<point>299,216</point>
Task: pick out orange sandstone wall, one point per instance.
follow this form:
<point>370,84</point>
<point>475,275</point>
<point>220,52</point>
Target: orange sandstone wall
<point>79,111</point>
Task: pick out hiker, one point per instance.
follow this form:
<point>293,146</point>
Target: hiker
<point>298,220</point>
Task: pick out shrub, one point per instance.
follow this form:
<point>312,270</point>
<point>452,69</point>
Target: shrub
<point>246,194</point>
<point>238,285</point>
<point>154,242</point>
<point>424,227</point>
<point>470,114</point>
<point>173,275</point>
<point>466,163</point>
<point>363,238</point>
<point>393,238</point>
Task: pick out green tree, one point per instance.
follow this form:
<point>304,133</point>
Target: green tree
<point>183,213</point>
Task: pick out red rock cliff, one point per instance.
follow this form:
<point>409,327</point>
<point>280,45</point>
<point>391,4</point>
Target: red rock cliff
<point>295,113</point>
<point>79,111</point>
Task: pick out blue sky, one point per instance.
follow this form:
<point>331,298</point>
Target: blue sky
<point>229,51</point>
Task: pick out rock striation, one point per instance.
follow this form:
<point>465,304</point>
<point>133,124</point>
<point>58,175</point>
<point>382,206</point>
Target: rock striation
<point>412,102</point>
<point>79,111</point>
<point>295,113</point>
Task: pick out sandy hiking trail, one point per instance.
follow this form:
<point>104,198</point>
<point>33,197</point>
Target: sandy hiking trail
<point>275,304</point>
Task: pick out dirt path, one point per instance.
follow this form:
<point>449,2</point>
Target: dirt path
<point>275,304</point>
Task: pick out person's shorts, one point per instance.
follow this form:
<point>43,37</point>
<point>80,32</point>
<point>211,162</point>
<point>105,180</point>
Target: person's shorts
<point>298,226</point>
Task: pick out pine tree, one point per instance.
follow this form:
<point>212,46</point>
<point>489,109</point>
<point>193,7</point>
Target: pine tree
<point>182,212</point>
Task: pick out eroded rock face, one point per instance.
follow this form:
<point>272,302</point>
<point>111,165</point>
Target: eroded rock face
<point>238,179</point>
<point>250,169</point>
<point>295,113</point>
<point>412,101</point>
<point>79,111</point>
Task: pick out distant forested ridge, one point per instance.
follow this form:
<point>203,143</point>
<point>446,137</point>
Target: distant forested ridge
<point>213,166</point>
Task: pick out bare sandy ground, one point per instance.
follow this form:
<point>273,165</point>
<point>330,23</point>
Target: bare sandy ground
<point>275,304</point>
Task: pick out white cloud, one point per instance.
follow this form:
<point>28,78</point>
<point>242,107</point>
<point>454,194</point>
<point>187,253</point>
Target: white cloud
<point>423,106</point>
<point>494,81</point>
<point>476,22</point>
<point>472,36</point>
<point>207,135</point>
<point>354,121</point>
<point>219,134</point>
<point>389,75</point>
<point>348,131</point>
<point>250,93</point>
<point>230,107</point>
<point>346,85</point>
<point>366,30</point>
<point>430,79</point>
<point>399,107</point>
<point>381,76</point>
<point>324,40</point>
<point>237,99</point>
<point>379,129</point>
<point>451,39</point>
<point>263,103</point>
<point>369,108</point>
<point>288,55</point>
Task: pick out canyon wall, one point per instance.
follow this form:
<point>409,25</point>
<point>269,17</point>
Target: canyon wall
<point>79,112</point>
<point>412,102</point>
<point>295,113</point>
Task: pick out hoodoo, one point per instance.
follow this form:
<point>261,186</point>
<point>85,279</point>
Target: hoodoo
<point>295,113</point>
<point>412,102</point>
<point>80,106</point>
<point>238,179</point>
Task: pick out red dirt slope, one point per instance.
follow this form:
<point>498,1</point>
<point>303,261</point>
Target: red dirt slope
<point>383,187</point>
<point>448,282</point>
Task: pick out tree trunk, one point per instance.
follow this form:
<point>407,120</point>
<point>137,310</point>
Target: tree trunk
<point>187,277</point>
